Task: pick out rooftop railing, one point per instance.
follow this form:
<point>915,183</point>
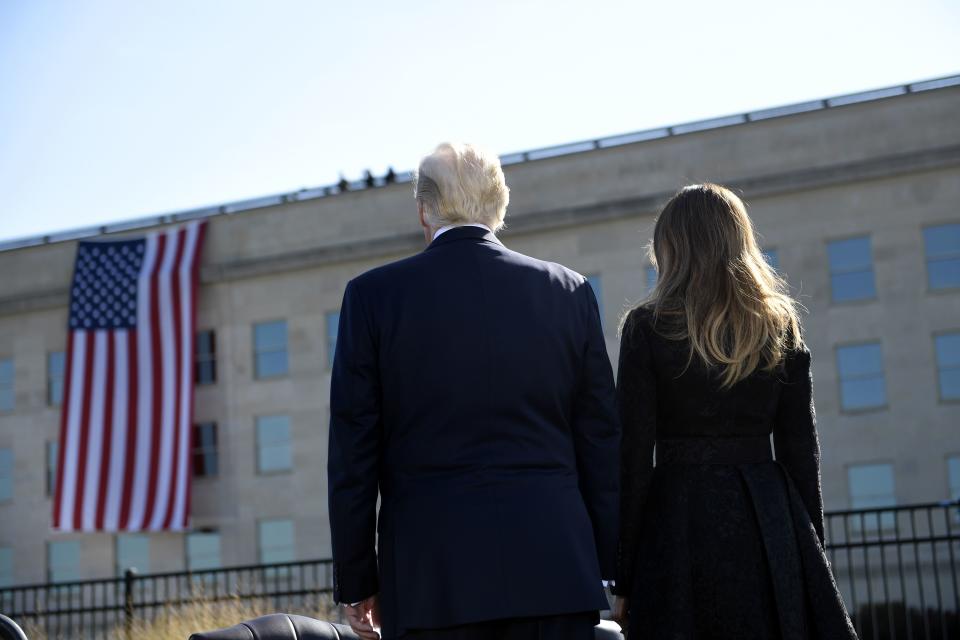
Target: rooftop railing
<point>506,160</point>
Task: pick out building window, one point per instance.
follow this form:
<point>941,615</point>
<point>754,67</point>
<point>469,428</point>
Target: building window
<point>133,552</point>
<point>596,285</point>
<point>6,474</point>
<point>862,383</point>
<point>872,487</point>
<point>205,358</point>
<point>953,476</point>
<point>63,561</point>
<point>203,550</point>
<point>270,349</point>
<point>772,257</point>
<point>652,277</point>
<point>273,444</point>
<point>275,539</point>
<point>947,346</point>
<point>55,366</point>
<point>6,567</point>
<point>333,325</point>
<point>6,384</point>
<point>205,459</point>
<point>851,270</point>
<point>52,452</point>
<point>943,256</point>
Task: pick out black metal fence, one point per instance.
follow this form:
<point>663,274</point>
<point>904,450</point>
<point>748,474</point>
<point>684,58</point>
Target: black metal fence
<point>116,607</point>
<point>897,568</point>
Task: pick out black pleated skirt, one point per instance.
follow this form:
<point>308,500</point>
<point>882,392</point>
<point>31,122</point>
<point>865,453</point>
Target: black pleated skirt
<point>729,551</point>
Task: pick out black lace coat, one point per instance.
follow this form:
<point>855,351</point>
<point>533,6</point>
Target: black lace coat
<point>720,550</point>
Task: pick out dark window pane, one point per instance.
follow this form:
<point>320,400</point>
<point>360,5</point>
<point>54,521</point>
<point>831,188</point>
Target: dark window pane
<point>6,384</point>
<point>947,347</point>
<point>953,474</point>
<point>212,464</point>
<point>205,372</point>
<point>273,443</point>
<point>133,552</point>
<point>205,360</point>
<point>851,270</point>
<point>950,384</point>
<point>943,274</point>
<point>276,541</point>
<point>205,343</point>
<point>270,335</point>
<point>55,366</point>
<point>859,360</point>
<point>6,572</point>
<point>942,241</point>
<point>948,350</point>
<point>852,254</point>
<point>52,452</point>
<point>848,287</point>
<point>871,485</point>
<point>63,560</point>
<point>6,474</point>
<point>862,383</point>
<point>863,393</point>
<point>270,349</point>
<point>271,364</point>
<point>205,454</point>
<point>203,550</point>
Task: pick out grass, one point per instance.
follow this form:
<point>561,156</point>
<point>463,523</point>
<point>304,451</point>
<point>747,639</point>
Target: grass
<point>177,623</point>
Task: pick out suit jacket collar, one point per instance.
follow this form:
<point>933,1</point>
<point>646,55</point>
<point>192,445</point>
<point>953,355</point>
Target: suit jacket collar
<point>464,233</point>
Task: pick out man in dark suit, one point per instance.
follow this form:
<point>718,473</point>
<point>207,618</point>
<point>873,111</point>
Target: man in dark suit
<point>472,391</point>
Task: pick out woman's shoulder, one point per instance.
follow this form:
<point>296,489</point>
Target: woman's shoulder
<point>641,315</point>
<point>639,323</point>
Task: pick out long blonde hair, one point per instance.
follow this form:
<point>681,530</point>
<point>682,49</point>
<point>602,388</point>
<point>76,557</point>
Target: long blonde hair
<point>715,288</point>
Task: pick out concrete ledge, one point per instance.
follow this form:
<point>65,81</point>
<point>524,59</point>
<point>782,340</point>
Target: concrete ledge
<point>749,187</point>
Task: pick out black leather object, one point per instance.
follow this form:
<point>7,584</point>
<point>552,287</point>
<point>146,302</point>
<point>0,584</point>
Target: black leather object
<point>280,626</point>
<point>283,626</point>
<point>10,630</point>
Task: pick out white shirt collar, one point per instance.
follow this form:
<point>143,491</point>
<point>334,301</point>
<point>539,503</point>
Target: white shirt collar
<point>446,228</point>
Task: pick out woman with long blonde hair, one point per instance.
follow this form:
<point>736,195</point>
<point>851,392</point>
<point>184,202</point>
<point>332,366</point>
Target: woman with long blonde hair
<point>718,540</point>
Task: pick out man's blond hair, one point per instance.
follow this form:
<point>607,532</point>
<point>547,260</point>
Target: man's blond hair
<point>460,184</point>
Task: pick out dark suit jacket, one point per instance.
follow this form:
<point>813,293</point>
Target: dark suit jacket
<point>472,387</point>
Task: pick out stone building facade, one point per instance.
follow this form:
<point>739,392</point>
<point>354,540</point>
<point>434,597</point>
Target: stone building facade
<point>856,201</point>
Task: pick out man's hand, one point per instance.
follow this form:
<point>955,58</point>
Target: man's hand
<point>364,618</point>
<point>621,606</point>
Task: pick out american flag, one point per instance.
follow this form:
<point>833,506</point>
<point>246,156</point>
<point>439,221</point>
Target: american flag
<point>124,455</point>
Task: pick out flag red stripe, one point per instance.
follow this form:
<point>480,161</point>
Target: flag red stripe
<point>131,454</point>
<point>107,434</point>
<point>86,400</point>
<point>177,355</point>
<point>157,391</point>
<point>194,285</point>
<point>62,443</point>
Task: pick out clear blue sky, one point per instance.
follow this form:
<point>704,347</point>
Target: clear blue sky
<point>113,109</point>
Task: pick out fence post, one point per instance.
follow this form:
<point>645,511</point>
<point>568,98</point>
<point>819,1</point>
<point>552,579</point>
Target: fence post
<point>128,577</point>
